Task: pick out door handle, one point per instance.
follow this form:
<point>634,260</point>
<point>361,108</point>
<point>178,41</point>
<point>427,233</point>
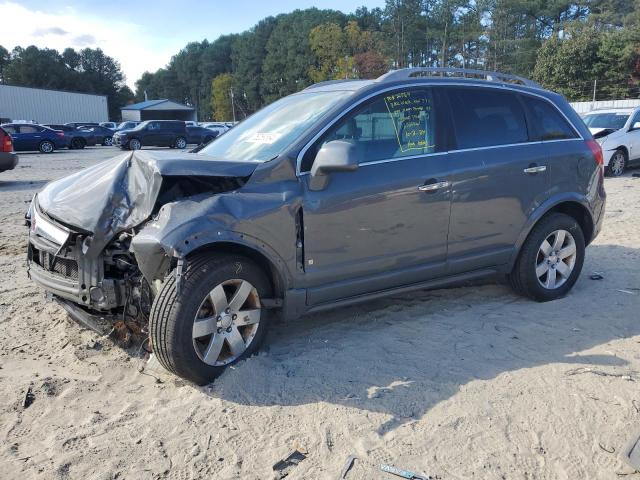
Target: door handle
<point>432,187</point>
<point>535,169</point>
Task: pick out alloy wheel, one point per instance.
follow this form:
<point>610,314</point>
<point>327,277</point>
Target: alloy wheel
<point>181,143</point>
<point>616,165</point>
<point>226,322</point>
<point>556,259</point>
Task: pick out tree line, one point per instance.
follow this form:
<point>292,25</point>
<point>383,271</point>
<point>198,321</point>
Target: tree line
<point>87,71</point>
<point>565,45</point>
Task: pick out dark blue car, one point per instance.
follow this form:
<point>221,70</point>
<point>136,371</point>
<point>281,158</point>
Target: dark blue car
<point>26,136</point>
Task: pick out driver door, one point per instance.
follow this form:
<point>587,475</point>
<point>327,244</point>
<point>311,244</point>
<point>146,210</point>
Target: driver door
<point>386,223</point>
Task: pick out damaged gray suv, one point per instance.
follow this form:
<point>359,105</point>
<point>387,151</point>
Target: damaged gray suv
<point>343,192</point>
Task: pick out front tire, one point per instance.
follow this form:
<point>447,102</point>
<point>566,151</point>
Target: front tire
<point>550,260</point>
<point>46,147</point>
<point>216,320</point>
<point>617,164</point>
<point>77,144</point>
<point>107,142</point>
<point>134,144</point>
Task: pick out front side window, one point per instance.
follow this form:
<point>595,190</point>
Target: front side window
<point>548,122</point>
<point>29,129</point>
<point>153,126</point>
<point>10,129</point>
<point>393,125</point>
<point>486,117</point>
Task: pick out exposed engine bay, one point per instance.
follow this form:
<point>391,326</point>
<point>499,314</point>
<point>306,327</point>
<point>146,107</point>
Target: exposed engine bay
<point>82,228</point>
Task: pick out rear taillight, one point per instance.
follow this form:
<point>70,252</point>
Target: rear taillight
<point>7,144</point>
<point>596,150</point>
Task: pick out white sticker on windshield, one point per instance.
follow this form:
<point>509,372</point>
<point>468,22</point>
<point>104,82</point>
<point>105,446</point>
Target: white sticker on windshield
<point>263,137</point>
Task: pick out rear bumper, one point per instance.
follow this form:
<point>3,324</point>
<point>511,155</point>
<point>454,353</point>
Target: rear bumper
<point>8,161</point>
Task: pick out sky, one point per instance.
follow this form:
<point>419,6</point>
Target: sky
<point>141,35</point>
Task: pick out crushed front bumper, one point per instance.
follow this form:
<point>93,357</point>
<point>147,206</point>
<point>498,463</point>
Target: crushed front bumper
<point>102,324</point>
<point>56,262</point>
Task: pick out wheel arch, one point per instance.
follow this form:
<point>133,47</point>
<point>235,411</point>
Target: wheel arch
<point>276,277</point>
<point>574,207</point>
<point>53,145</point>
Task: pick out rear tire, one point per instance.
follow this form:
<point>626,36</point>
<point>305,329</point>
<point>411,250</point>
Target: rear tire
<point>547,276</point>
<point>226,331</point>
<point>46,146</point>
<point>617,164</point>
<point>181,143</point>
<point>107,142</point>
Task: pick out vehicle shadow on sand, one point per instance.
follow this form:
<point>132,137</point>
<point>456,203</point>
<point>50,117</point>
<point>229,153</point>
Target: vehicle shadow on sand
<point>404,354</point>
<point>19,185</point>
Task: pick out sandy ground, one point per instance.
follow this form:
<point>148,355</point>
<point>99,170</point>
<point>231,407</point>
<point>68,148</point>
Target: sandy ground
<point>471,382</point>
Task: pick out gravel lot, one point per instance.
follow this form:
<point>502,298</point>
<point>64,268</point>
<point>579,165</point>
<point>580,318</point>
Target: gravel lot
<point>471,382</point>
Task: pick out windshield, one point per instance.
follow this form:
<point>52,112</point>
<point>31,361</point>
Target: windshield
<point>268,132</point>
<point>606,120</point>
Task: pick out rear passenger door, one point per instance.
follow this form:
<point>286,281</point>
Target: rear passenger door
<point>29,137</point>
<point>498,176</point>
<point>562,144</point>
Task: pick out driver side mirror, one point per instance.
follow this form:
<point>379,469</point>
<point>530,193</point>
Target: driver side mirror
<point>334,156</point>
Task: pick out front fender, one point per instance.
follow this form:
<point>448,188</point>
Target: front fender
<point>166,238</point>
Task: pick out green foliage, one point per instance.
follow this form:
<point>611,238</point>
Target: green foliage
<point>584,53</point>
<point>88,70</point>
<point>564,44</point>
<point>221,97</point>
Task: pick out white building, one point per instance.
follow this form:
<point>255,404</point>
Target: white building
<point>51,106</point>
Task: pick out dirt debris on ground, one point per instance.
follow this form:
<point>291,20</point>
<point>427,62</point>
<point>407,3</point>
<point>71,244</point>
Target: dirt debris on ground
<point>470,382</point>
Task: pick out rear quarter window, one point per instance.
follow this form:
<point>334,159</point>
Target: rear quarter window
<point>548,123</point>
<point>485,117</point>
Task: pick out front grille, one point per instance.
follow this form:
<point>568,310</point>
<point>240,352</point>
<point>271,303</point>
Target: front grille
<point>66,267</point>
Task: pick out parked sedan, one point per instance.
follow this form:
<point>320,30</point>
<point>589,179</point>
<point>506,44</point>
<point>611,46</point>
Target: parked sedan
<point>77,138</point>
<point>8,159</point>
<point>34,137</point>
<point>617,130</point>
<point>200,135</point>
<point>104,135</point>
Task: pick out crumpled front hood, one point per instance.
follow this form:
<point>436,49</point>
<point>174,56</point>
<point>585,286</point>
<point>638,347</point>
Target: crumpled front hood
<point>121,193</point>
<point>601,133</point>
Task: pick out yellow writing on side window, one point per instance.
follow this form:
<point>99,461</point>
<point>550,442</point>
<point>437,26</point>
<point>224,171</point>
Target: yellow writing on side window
<point>410,113</point>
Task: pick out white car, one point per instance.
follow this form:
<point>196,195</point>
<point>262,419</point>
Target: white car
<point>219,127</point>
<point>617,130</point>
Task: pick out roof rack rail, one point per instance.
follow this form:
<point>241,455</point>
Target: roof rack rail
<point>406,73</point>
<point>331,82</point>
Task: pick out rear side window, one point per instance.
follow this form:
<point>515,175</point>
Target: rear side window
<point>394,125</point>
<point>547,121</point>
<point>485,117</point>
<point>29,129</point>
